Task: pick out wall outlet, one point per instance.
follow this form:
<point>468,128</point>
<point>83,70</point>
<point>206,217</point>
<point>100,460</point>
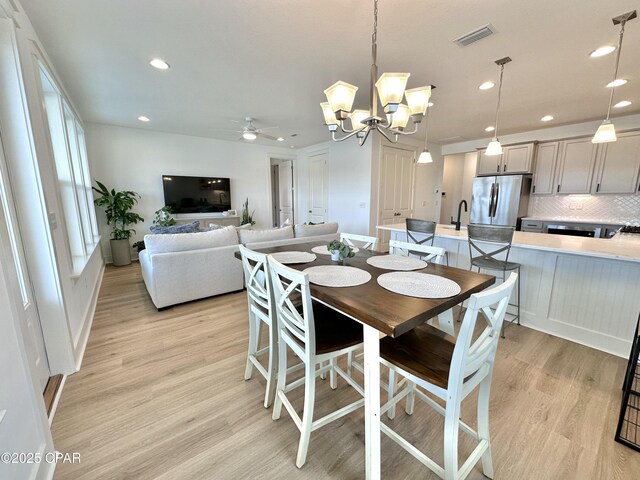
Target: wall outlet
<point>363,205</point>
<point>424,203</point>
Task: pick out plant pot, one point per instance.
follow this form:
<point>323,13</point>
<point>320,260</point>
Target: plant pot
<point>335,255</point>
<point>121,252</point>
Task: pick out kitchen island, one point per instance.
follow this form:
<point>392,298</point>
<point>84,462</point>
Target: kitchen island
<point>586,290</point>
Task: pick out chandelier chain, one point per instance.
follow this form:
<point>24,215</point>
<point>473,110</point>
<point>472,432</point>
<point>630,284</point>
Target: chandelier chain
<point>499,98</point>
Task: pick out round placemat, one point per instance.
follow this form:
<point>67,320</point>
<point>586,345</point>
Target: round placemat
<point>337,275</point>
<point>322,250</point>
<point>421,285</point>
<point>294,257</point>
<point>396,262</point>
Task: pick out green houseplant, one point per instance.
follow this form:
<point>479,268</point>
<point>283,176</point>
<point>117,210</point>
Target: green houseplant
<point>246,216</point>
<point>163,217</point>
<point>117,207</point>
<point>339,250</point>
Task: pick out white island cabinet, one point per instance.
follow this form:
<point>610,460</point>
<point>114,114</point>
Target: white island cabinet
<point>586,290</point>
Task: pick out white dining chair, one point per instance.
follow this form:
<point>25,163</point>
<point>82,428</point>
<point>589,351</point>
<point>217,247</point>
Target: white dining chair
<point>449,369</point>
<point>426,252</point>
<point>362,241</point>
<point>261,310</point>
<point>316,334</point>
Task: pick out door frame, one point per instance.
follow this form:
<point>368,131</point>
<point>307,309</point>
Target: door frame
<point>325,184</point>
<point>275,159</point>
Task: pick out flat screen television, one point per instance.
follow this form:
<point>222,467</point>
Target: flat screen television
<point>196,194</point>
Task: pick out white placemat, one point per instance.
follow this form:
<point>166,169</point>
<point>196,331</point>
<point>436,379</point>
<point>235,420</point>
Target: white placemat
<point>294,257</point>
<point>322,250</point>
<point>337,275</point>
<point>421,285</point>
<point>396,262</point>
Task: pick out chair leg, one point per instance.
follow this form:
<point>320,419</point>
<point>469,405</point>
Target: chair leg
<point>333,380</point>
<point>323,375</point>
<point>519,295</point>
<point>411,398</point>
<point>483,425</point>
<point>282,378</point>
<point>271,371</point>
<point>504,275</point>
<point>451,422</point>
<point>307,415</point>
<point>254,328</point>
<point>350,364</point>
<point>391,413</point>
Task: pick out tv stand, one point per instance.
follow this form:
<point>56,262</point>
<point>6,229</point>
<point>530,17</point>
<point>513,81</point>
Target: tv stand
<point>207,218</point>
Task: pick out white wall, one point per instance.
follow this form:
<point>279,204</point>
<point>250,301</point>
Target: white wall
<point>135,159</point>
<point>457,181</point>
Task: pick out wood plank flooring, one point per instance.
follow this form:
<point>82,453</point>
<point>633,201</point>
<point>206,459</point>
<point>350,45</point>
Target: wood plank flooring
<point>161,395</point>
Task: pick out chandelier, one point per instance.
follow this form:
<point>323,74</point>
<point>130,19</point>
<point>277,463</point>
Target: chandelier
<point>389,90</point>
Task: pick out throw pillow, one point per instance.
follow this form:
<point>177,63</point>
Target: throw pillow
<point>255,236</point>
<point>191,241</point>
<point>314,230</point>
<point>186,228</point>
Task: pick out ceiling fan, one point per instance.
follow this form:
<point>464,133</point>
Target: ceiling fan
<point>250,132</point>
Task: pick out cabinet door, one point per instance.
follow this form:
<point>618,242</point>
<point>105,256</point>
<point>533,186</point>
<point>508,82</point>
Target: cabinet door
<point>517,158</point>
<point>577,158</point>
<point>618,165</point>
<point>488,164</point>
<point>546,158</point>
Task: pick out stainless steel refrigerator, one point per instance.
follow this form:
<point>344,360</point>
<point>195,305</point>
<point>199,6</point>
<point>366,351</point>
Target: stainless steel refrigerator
<point>500,200</point>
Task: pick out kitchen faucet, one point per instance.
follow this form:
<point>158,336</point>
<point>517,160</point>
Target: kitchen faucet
<point>457,222</point>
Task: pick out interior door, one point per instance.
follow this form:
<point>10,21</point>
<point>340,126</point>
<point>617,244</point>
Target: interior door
<point>317,189</point>
<point>396,188</point>
<point>13,250</point>
<point>275,196</point>
<point>285,191</point>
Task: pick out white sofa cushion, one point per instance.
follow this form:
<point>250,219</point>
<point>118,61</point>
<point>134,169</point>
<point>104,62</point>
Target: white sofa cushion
<point>255,236</point>
<point>191,241</point>
<point>313,230</point>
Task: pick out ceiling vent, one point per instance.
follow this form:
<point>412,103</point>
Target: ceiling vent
<point>476,35</point>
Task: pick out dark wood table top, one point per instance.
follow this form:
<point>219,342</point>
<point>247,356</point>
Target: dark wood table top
<point>390,313</point>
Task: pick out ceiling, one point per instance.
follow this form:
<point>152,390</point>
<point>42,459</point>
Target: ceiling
<point>272,60</point>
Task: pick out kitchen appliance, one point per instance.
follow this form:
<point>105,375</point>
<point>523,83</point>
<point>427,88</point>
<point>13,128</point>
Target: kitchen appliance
<point>574,230</point>
<point>630,229</point>
<point>500,200</point>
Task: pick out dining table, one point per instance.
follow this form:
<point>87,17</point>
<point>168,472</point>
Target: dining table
<point>382,312</point>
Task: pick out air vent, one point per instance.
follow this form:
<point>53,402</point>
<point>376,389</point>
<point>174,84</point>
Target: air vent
<point>452,139</point>
<point>476,35</point>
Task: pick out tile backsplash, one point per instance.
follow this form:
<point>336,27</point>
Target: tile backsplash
<point>623,209</point>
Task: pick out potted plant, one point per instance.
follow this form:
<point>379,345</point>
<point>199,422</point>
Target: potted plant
<point>339,250</point>
<point>163,217</point>
<point>246,216</point>
<point>117,207</point>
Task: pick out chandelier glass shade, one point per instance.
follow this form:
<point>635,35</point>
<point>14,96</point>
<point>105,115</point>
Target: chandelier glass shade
<point>607,131</point>
<point>388,92</point>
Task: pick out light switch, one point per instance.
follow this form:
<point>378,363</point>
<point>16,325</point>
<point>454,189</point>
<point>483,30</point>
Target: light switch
<point>363,205</point>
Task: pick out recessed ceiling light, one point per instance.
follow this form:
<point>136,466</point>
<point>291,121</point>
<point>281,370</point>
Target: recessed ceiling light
<point>602,51</point>
<point>489,129</point>
<point>623,103</point>
<point>159,64</point>
<point>142,118</point>
<point>546,118</point>
<point>431,104</point>
<point>617,82</point>
<point>280,139</point>
<point>487,86</point>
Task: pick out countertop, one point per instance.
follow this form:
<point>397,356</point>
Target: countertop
<point>624,247</point>
<point>589,221</point>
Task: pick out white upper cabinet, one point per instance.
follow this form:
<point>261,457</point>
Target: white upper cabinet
<point>514,159</point>
<point>575,165</point>
<point>546,159</point>
<point>618,165</point>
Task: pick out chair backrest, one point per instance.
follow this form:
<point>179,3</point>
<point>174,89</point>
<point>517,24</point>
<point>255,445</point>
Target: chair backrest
<point>293,323</point>
<point>257,282</point>
<point>365,241</point>
<point>472,362</point>
<point>424,227</point>
<point>495,240</point>
<point>426,252</point>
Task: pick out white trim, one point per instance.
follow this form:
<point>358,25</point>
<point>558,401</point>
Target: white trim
<point>56,400</point>
<point>83,337</point>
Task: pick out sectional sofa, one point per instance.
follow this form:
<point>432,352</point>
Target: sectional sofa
<point>178,268</point>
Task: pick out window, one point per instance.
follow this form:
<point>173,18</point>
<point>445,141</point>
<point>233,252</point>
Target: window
<point>72,170</point>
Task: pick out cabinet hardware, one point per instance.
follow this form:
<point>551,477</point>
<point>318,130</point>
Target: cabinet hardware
<point>504,168</point>
<point>558,189</point>
<point>534,189</point>
<point>597,188</point>
<point>498,169</point>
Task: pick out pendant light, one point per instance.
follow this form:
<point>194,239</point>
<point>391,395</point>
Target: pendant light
<point>494,147</point>
<point>606,131</point>
<point>425,156</point>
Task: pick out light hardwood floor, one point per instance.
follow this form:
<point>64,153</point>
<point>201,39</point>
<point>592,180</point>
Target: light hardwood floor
<point>161,395</point>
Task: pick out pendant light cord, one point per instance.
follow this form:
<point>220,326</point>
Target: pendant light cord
<point>615,73</point>
<point>426,129</point>
<point>499,97</point>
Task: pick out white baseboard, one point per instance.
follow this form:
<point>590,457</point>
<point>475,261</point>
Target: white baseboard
<point>56,400</point>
